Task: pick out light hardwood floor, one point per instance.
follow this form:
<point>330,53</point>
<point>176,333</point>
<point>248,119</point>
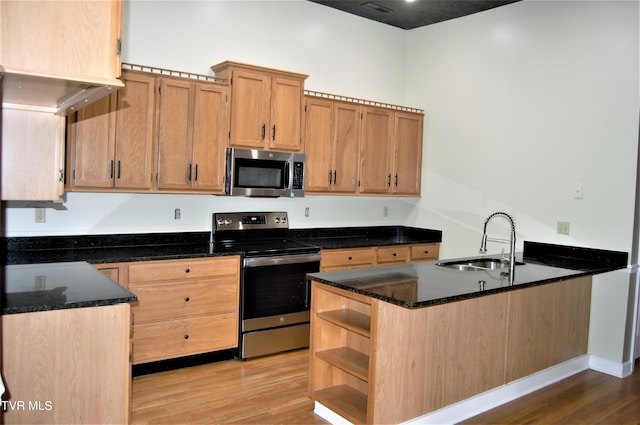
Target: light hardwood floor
<point>273,390</point>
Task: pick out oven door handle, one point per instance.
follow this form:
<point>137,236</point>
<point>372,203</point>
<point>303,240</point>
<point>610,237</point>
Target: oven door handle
<point>281,260</point>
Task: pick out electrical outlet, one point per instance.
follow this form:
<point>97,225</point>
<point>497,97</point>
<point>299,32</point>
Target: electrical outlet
<point>579,193</point>
<point>177,214</point>
<point>41,215</point>
<point>385,211</point>
<point>306,212</point>
<point>563,227</point>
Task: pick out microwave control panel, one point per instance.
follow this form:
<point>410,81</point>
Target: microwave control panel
<point>298,175</point>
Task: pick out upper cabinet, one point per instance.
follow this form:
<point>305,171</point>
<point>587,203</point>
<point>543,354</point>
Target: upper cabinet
<point>266,106</point>
<point>110,142</point>
<point>160,133</point>
<point>58,54</point>
<point>191,141</point>
<point>332,136</point>
<point>354,147</point>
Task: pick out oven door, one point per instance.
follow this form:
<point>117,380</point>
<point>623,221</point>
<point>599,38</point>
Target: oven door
<point>275,290</point>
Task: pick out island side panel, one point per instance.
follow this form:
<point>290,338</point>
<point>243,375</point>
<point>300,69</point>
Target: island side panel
<point>431,357</point>
<point>68,366</point>
<point>548,324</point>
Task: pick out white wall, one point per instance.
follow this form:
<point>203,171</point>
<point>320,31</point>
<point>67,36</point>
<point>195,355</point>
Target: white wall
<point>523,102</point>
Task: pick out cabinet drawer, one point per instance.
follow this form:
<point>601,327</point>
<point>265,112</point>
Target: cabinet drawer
<point>393,254</point>
<point>425,252</point>
<point>150,271</point>
<point>177,338</point>
<point>166,301</point>
<point>347,258</point>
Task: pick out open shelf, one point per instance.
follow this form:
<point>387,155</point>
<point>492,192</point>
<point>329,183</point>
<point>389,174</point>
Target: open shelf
<point>349,319</point>
<point>349,360</point>
<point>345,401</point>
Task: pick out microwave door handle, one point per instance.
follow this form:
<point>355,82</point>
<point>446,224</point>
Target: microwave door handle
<point>287,175</point>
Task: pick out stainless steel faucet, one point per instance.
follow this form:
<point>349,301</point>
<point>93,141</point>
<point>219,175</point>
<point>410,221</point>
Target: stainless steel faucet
<point>512,241</point>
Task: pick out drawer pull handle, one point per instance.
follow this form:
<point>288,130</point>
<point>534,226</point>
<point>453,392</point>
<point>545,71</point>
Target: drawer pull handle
<point>394,254</point>
<point>186,337</point>
<point>187,270</point>
<point>186,299</point>
<point>426,251</point>
<point>350,258</point>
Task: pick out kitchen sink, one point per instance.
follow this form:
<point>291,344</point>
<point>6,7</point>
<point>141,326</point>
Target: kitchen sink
<point>477,264</point>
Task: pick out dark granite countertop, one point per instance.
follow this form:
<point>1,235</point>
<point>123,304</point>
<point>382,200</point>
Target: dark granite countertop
<point>54,286</point>
<point>425,284</point>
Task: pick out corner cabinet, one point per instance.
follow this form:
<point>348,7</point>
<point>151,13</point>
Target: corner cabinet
<point>354,147</point>
<point>266,106</point>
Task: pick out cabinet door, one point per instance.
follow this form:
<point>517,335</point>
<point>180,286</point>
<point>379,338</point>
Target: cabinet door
<point>284,130</point>
<point>78,39</point>
<point>345,147</point>
<point>249,109</point>
<point>32,155</point>
<point>134,167</point>
<point>377,133</point>
<point>92,145</point>
<point>175,134</point>
<point>209,137</point>
<point>407,159</point>
<point>318,144</point>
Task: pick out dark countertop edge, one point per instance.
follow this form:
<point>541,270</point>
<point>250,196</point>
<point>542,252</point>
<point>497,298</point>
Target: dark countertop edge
<point>123,248</point>
<point>66,306</point>
<point>447,300</point>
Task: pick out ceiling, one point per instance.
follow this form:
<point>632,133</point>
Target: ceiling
<point>408,15</point>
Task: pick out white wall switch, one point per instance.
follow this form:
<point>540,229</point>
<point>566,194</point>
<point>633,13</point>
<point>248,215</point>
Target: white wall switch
<point>563,227</point>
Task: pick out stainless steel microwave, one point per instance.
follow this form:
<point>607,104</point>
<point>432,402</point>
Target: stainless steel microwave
<point>253,172</point>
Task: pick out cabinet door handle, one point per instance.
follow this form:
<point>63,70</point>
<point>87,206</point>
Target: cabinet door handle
<point>111,170</point>
<point>273,134</point>
<point>118,168</point>
<point>264,129</point>
<point>389,180</point>
<point>329,176</point>
<point>196,176</point>
<point>334,176</point>
<point>396,180</point>
<point>189,178</point>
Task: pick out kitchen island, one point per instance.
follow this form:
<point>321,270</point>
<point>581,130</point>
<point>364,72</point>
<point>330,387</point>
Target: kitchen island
<point>65,345</point>
<point>390,344</point>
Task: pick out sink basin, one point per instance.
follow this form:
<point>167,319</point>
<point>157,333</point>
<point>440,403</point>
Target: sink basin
<point>477,264</point>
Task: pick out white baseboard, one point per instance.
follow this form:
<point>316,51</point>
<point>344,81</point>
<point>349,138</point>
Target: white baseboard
<point>619,370</point>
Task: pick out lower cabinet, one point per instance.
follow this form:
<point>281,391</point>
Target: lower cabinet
<point>184,307</point>
<point>354,258</point>
<point>69,366</point>
<point>376,362</point>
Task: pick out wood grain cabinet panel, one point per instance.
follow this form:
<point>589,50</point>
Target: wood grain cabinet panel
<point>332,134</point>
<point>339,259</point>
<point>393,254</point>
<point>266,106</point>
<point>184,307</point>
<point>425,252</point>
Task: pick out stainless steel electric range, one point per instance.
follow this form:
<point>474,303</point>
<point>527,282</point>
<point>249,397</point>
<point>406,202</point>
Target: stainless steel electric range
<point>274,291</point>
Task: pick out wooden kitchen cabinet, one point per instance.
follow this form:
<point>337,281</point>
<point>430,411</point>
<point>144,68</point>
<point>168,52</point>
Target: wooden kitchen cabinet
<point>79,39</point>
<point>191,136</point>
<point>69,366</point>
<point>354,258</point>
<point>266,106</point>
<point>391,152</point>
<point>32,154</point>
<point>332,135</point>
<point>185,307</point>
<point>110,142</point>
